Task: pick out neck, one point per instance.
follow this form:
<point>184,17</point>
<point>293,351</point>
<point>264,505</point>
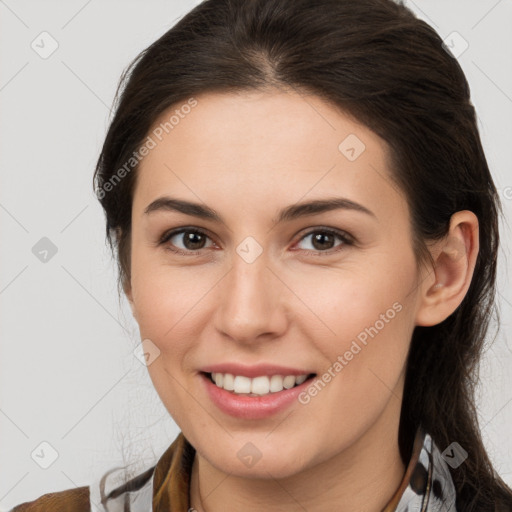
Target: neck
<point>365,476</point>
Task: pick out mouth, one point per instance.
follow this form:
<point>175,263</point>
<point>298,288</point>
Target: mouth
<point>259,386</point>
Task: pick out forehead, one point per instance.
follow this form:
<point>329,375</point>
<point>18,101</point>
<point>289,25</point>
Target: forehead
<point>263,146</point>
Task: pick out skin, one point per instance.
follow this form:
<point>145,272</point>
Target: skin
<point>247,156</point>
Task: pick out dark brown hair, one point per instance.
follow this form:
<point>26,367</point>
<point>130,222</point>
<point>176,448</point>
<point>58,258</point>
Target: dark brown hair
<point>379,63</point>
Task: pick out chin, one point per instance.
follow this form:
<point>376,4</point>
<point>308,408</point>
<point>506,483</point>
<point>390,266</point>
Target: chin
<point>256,457</point>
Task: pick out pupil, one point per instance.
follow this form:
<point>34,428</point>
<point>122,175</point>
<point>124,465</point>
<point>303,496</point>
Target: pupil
<point>190,238</point>
<point>319,237</point>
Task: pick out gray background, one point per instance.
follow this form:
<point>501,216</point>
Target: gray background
<point>68,374</point>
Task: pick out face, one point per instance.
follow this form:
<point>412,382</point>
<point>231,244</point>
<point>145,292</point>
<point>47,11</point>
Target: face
<point>252,292</point>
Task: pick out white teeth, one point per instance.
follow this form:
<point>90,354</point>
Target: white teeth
<point>289,381</point>
<point>259,385</point>
<point>242,384</point>
<point>229,382</point>
<point>300,379</point>
<point>276,383</point>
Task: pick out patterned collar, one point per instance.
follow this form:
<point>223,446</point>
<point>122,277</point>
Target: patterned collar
<point>427,485</point>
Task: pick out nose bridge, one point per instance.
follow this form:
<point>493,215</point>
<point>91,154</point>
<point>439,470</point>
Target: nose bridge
<point>250,299</point>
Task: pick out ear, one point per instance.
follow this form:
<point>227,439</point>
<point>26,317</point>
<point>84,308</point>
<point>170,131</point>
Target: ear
<point>443,290</point>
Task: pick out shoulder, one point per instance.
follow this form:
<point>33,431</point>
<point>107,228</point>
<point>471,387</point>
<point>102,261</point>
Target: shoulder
<point>72,500</point>
<point>104,494</point>
<point>116,492</point>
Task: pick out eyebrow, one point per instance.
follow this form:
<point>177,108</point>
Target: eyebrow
<point>289,213</point>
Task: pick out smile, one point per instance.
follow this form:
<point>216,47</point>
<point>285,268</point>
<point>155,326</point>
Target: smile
<point>274,394</point>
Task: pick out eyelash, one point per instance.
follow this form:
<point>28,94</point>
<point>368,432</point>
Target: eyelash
<point>347,240</point>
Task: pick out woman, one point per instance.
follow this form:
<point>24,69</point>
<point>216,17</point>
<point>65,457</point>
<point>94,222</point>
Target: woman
<point>307,232</point>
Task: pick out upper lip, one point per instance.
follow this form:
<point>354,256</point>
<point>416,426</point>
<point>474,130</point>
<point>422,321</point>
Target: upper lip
<point>252,371</point>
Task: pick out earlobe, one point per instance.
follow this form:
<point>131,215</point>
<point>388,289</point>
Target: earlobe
<point>132,306</point>
<point>443,290</point>
<point>129,296</point>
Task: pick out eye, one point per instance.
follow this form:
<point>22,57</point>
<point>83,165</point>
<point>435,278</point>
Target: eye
<point>193,240</point>
<point>322,240</point>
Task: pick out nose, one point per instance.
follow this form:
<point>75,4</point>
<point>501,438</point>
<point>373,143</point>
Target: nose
<point>252,303</point>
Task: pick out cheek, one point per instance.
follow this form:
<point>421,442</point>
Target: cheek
<point>345,302</point>
<point>364,358</point>
<point>172,308</point>
<point>166,297</point>
<point>366,320</point>
<point>168,302</point>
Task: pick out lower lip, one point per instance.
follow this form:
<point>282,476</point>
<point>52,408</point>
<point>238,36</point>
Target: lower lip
<point>252,407</point>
